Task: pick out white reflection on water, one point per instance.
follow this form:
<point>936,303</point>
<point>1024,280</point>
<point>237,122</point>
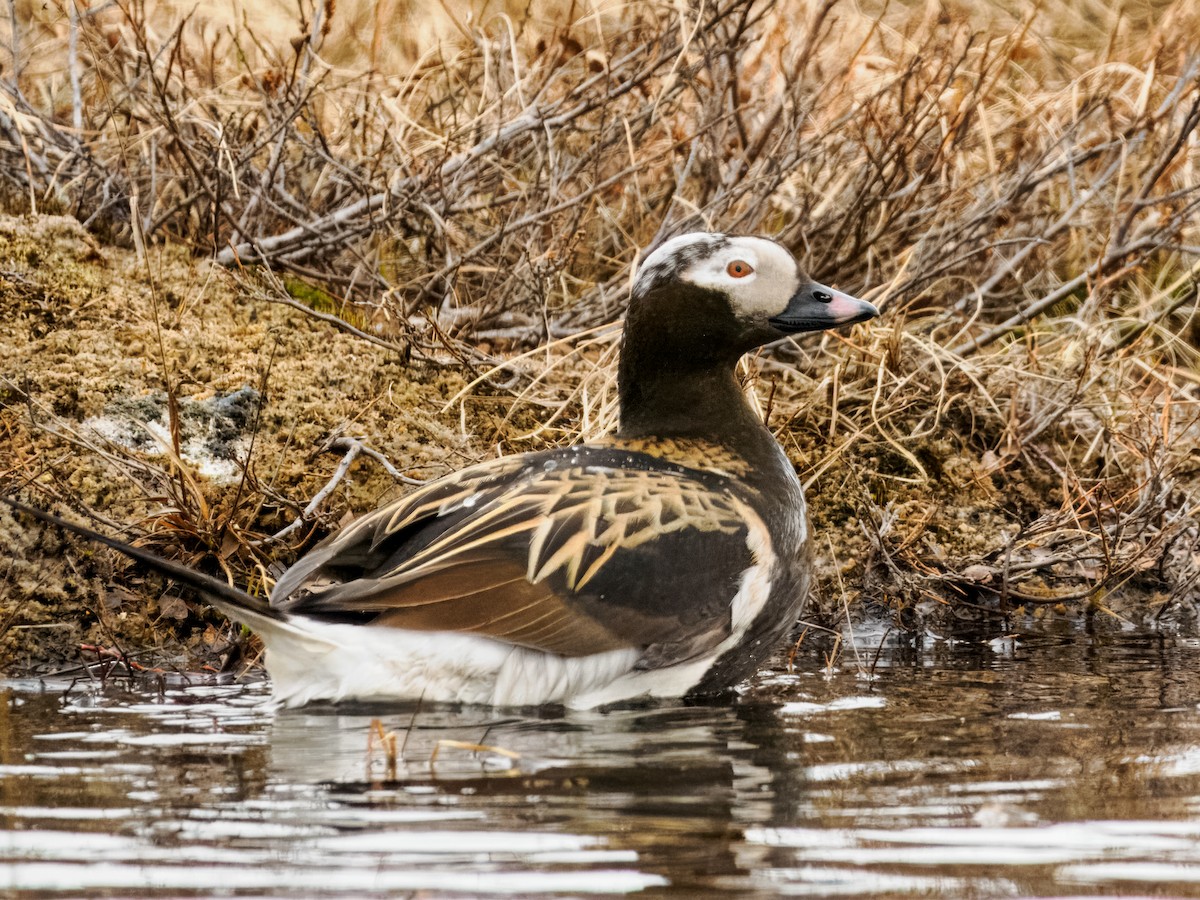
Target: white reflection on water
<point>58,877</point>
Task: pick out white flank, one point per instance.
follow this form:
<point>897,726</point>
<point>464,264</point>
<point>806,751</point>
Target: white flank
<point>755,586</point>
<point>310,660</point>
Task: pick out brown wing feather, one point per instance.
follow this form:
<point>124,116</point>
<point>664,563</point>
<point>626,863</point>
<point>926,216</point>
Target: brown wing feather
<point>497,601</point>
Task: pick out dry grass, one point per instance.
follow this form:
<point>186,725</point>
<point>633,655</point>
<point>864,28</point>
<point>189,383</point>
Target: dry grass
<point>1018,191</point>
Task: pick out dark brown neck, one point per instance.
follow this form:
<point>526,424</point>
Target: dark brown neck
<point>669,404</point>
<point>664,395</point>
<point>677,377</point>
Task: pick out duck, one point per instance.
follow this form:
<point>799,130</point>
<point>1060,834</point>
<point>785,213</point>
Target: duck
<point>664,560</point>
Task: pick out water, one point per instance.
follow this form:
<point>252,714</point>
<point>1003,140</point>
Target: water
<point>1053,765</point>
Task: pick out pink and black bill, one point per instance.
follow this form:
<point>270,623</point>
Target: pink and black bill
<point>815,308</point>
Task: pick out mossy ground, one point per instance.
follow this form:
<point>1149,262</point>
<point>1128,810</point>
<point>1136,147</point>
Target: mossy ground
<point>94,344</point>
<point>98,342</point>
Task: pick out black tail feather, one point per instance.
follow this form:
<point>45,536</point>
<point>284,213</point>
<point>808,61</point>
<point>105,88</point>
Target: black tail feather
<point>228,599</point>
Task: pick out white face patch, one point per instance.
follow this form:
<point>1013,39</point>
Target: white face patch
<point>704,260</point>
<point>765,291</point>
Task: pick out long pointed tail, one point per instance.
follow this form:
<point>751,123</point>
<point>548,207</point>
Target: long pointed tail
<point>235,603</point>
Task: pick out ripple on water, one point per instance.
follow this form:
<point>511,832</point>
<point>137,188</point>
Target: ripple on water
<point>1057,767</point>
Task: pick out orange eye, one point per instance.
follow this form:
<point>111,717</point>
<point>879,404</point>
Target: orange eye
<point>739,268</point>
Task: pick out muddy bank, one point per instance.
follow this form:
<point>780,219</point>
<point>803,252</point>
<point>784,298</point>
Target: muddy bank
<point>166,400</point>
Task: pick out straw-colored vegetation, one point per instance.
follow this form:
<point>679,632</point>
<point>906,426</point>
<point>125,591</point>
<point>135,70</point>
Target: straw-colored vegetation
<point>424,224</point>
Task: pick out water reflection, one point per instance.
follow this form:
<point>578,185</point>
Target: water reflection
<point>1062,764</point>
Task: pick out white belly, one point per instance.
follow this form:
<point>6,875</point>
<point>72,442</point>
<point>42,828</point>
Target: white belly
<point>322,661</point>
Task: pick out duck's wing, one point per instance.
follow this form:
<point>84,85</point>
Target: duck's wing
<point>571,552</point>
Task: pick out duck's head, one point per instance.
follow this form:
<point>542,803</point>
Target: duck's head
<point>721,295</point>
